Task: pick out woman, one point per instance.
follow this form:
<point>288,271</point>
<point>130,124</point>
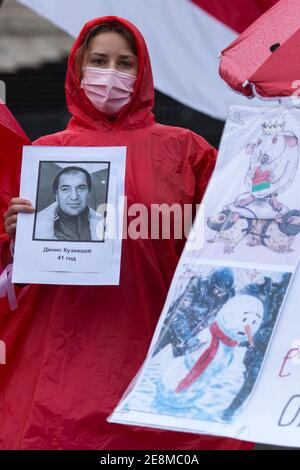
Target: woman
<point>76,349</point>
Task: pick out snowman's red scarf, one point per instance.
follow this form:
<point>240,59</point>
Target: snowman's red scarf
<point>206,358</point>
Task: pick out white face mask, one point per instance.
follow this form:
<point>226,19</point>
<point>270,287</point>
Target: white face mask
<point>107,89</point>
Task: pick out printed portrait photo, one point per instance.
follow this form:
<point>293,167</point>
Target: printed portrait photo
<point>71,201</point>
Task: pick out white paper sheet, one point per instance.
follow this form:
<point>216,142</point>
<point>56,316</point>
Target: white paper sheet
<point>71,239</point>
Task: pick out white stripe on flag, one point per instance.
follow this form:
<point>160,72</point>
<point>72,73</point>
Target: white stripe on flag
<point>184,42</point>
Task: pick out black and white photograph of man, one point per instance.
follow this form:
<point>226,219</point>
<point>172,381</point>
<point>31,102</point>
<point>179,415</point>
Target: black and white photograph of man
<point>68,199</point>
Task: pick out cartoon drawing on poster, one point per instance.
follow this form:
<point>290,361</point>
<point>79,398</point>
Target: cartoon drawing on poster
<point>223,338</point>
<point>211,346</point>
<point>258,215</point>
<point>195,309</point>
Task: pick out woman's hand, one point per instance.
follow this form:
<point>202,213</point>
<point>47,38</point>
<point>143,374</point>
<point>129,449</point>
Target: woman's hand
<point>17,205</point>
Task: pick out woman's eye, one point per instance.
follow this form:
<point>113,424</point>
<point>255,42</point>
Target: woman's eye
<point>126,64</point>
<point>99,61</point>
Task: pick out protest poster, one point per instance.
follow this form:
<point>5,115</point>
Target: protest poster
<point>225,353</point>
<point>74,235</point>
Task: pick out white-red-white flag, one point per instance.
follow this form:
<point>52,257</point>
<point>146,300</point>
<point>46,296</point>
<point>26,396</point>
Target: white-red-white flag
<point>184,38</point>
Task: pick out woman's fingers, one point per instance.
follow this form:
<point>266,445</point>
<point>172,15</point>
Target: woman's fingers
<point>17,208</point>
<point>11,220</point>
<point>10,228</point>
<point>19,205</point>
<point>11,231</point>
<point>20,201</point>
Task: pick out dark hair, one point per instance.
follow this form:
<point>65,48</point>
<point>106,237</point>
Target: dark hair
<point>72,169</point>
<point>107,26</point>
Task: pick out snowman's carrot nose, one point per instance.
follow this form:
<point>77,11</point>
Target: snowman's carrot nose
<point>248,332</point>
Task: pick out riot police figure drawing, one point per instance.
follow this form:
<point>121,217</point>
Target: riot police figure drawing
<point>195,309</point>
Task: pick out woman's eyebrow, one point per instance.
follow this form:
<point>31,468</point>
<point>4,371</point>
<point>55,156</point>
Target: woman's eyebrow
<point>122,56</point>
<point>127,56</point>
<point>98,54</point>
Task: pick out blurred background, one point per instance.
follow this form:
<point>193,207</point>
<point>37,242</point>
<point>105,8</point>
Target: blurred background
<point>33,61</point>
<point>33,55</point>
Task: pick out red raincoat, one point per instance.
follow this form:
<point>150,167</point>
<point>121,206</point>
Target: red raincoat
<point>72,351</point>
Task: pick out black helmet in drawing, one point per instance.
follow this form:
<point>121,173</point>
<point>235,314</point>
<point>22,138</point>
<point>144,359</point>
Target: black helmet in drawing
<point>221,280</point>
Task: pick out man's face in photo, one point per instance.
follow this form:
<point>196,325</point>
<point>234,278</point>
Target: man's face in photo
<point>73,193</point>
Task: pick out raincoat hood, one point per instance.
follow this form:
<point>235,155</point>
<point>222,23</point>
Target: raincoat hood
<point>137,114</point>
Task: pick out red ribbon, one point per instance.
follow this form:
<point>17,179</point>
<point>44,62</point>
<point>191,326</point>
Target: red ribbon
<point>206,358</point>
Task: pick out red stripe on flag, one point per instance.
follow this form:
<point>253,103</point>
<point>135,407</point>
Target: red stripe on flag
<point>237,14</point>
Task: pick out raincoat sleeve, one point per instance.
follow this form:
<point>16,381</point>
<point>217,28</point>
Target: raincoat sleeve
<point>4,238</point>
<point>9,188</point>
<point>10,159</point>
<point>200,157</point>
<point>12,138</point>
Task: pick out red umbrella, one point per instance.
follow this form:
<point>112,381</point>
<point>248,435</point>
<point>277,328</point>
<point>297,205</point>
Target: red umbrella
<point>264,59</point>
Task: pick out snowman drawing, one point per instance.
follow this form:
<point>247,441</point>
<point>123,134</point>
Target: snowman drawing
<point>203,384</point>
